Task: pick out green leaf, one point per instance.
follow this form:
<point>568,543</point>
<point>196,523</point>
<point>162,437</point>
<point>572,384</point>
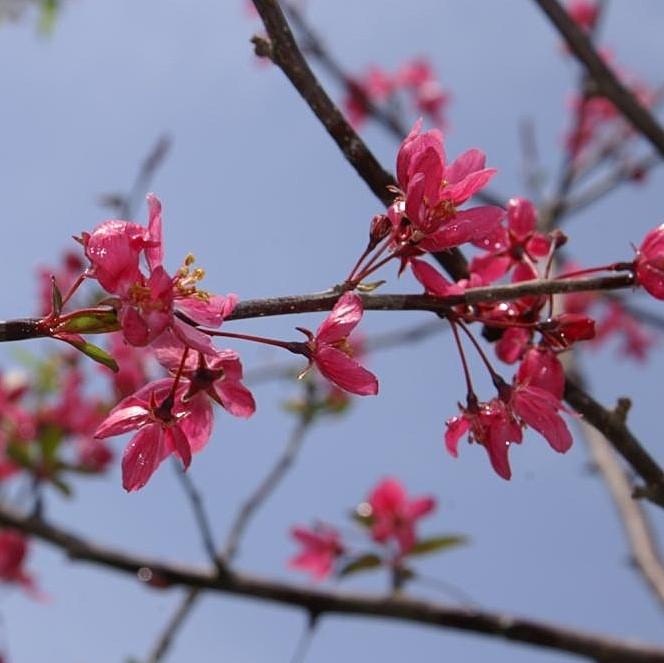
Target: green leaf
<point>94,352</point>
<point>49,12</point>
<point>61,485</point>
<point>438,543</point>
<point>49,439</point>
<point>361,563</point>
<point>20,454</point>
<point>56,297</point>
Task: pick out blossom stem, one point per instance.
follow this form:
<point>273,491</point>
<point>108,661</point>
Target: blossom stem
<point>494,376</point>
<point>296,347</point>
<point>73,288</point>
<point>612,267</point>
<point>370,267</point>
<point>466,372</point>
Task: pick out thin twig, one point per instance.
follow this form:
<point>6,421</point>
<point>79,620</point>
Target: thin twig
<point>605,81</point>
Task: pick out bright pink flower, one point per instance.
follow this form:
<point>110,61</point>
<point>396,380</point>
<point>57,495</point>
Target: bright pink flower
<point>649,263</point>
<point>218,375</point>
<point>433,281</point>
<point>93,455</point>
<point>636,340</point>
<point>490,424</point>
<point>511,346</point>
<point>13,553</point>
<point>321,547</point>
<point>394,515</point>
<point>433,190</point>
<point>165,424</point>
<point>584,13</point>
<point>375,86</point>
<point>332,353</point>
<point>566,329</point>
<point>427,92</point>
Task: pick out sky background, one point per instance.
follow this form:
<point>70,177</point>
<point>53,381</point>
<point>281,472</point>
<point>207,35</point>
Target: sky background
<point>260,194</point>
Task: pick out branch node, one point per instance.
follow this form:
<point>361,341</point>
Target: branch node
<point>262,47</point>
<point>622,408</point>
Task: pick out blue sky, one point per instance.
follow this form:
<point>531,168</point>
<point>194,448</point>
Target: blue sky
<point>259,193</point>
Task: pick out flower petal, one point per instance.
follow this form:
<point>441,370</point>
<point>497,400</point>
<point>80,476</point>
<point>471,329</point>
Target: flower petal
<point>345,372</point>
<point>141,457</point>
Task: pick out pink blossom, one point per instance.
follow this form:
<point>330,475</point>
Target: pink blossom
<point>428,94</point>
<point>321,547</point>
<point>219,375</point>
<point>165,424</point>
<point>13,553</point>
<point>490,424</point>
<point>649,263</point>
<point>427,213</point>
<point>540,367</point>
<point>394,515</point>
<point>636,340</point>
<point>375,86</point>
<point>584,13</point>
<point>332,353</point>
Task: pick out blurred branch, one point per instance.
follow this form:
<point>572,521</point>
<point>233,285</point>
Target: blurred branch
<point>612,425</point>
<point>603,78</point>
<point>282,49</point>
<point>126,205</point>
<point>317,601</point>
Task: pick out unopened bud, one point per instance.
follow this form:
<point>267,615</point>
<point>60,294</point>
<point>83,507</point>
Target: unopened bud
<point>379,229</point>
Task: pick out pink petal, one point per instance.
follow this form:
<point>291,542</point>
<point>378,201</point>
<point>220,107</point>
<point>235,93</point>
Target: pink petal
<point>154,253</point>
<point>387,497</point>
<point>341,321</point>
<point>141,457</point>
<point>432,280</point>
<point>235,397</point>
<point>465,164</point>
<point>180,444</point>
<point>456,428</point>
<point>210,312</point>
<point>421,507</point>
<point>193,337</point>
<point>469,186</point>
<point>197,425</point>
<point>470,225</point>
<point>521,217</point>
<point>122,420</point>
<point>539,409</point>
<point>345,372</point>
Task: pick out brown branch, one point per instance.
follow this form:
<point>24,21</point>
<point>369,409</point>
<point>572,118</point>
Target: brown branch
<point>317,601</point>
<point>612,425</point>
<point>604,79</point>
<point>283,50</point>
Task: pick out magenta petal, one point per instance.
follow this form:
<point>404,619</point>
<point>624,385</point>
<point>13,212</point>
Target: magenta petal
<point>420,507</point>
<point>141,457</point>
<point>345,372</point>
<point>415,198</point>
<point>469,186</point>
<point>341,321</point>
<point>209,312</point>
<point>432,280</point>
<point>197,425</point>
<point>193,337</point>
<point>155,252</point>
<point>235,397</point>
<point>180,445</point>
<point>469,225</point>
<point>521,217</point>
<point>469,162</point>
<point>490,267</point>
<point>456,428</point>
<point>539,409</point>
<point>134,327</point>
<point>122,420</point>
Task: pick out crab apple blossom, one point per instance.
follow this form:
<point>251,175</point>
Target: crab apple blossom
<point>426,213</point>
<point>490,424</point>
<point>394,515</point>
<point>584,13</point>
<point>541,368</point>
<point>330,350</point>
<point>165,425</point>
<point>649,263</point>
<point>218,375</point>
<point>321,548</point>
<point>13,553</point>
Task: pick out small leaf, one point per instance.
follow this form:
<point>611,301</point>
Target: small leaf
<point>20,454</point>
<point>361,563</point>
<point>61,485</point>
<point>369,287</point>
<point>92,351</point>
<point>56,297</point>
<point>49,13</point>
<point>438,543</point>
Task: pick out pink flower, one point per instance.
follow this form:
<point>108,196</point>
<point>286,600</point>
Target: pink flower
<point>321,547</point>
<point>649,263</point>
<point>584,13</point>
<point>427,92</point>
<point>132,362</point>
<point>394,516</point>
<point>432,191</point>
<point>165,424</point>
<point>332,353</point>
<point>218,375</point>
<point>490,424</point>
<point>13,553</point>
<point>636,340</point>
<point>375,86</point>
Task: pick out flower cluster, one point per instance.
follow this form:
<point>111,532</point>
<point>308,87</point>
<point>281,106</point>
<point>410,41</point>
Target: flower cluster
<point>388,525</point>
<point>415,78</point>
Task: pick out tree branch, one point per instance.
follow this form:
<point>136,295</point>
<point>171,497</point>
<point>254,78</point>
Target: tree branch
<point>317,601</point>
<point>283,50</point>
